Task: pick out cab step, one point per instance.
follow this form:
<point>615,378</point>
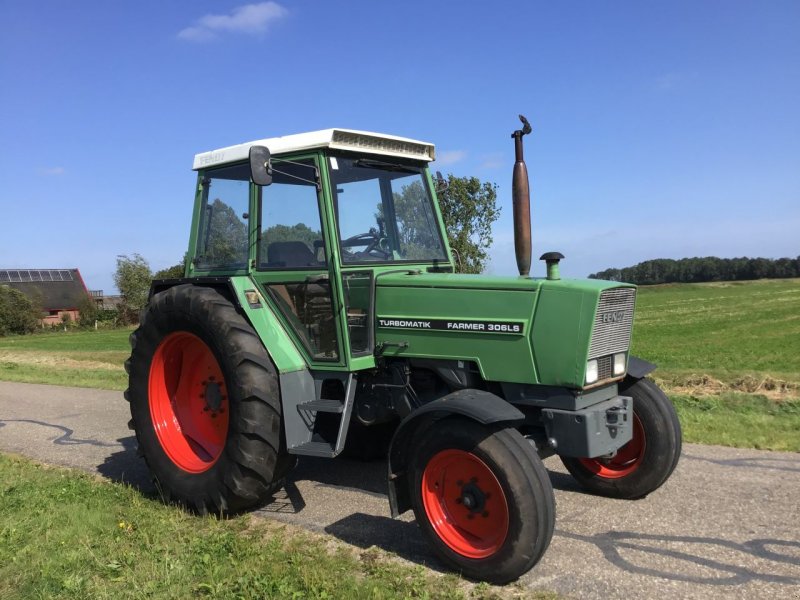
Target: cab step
<point>328,406</point>
<point>321,449</point>
<point>300,436</point>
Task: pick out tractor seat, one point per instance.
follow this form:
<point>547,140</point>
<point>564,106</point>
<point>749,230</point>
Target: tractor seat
<point>291,254</point>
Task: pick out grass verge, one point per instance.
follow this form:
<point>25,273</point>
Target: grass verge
<point>740,420</point>
<point>65,534</point>
<point>81,358</point>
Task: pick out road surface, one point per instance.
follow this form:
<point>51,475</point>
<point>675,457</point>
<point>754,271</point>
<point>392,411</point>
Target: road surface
<point>726,525</point>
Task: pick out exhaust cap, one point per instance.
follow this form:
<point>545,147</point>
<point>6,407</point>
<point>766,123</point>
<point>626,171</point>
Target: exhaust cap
<point>551,260</point>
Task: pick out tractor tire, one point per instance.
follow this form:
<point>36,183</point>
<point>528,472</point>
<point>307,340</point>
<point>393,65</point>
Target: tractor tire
<point>483,499</point>
<point>205,403</point>
<point>646,462</point>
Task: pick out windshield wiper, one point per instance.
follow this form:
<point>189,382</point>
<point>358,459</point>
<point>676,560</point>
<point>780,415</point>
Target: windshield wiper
<point>371,163</point>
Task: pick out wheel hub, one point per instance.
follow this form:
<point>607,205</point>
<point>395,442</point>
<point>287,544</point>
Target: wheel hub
<point>472,498</point>
<point>213,396</point>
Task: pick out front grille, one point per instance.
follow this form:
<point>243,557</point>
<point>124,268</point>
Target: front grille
<point>605,367</point>
<point>613,322</point>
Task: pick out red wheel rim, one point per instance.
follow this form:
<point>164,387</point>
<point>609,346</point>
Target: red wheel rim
<point>465,503</point>
<point>625,461</point>
<point>188,402</point>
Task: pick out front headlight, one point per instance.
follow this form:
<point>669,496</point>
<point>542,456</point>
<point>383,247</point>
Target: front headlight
<point>591,371</point>
<point>619,363</point>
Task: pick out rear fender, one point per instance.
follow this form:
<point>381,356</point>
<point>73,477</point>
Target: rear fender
<point>241,290</point>
<point>480,406</point>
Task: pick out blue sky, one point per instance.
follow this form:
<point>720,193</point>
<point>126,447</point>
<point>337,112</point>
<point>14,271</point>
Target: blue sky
<point>660,129</point>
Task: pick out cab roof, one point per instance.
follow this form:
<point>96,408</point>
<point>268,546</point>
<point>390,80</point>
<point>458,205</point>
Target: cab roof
<point>339,139</point>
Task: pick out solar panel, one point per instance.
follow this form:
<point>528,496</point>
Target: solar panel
<point>24,275</point>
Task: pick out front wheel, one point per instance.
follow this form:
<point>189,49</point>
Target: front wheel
<point>646,462</point>
<point>483,499</point>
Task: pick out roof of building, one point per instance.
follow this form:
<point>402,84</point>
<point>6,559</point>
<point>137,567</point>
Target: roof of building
<point>55,289</point>
<point>340,139</point>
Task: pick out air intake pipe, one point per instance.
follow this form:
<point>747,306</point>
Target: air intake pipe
<point>520,194</point>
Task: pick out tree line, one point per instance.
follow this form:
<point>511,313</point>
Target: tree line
<point>700,269</point>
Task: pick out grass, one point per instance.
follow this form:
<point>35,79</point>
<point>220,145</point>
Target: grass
<point>728,355</point>
<point>65,534</point>
<point>80,358</point>
<point>727,331</point>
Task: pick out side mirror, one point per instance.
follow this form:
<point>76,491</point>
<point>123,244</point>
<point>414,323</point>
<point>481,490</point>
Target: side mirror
<point>260,169</point>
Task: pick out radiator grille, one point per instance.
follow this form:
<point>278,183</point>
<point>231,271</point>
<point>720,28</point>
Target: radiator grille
<point>613,322</point>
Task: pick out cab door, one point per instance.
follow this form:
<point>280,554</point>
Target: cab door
<point>292,262</point>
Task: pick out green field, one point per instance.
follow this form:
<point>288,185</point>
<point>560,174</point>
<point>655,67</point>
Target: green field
<point>76,358</point>
<point>728,355</point>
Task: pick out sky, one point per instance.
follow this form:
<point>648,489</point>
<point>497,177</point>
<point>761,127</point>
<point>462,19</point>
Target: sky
<point>660,129</point>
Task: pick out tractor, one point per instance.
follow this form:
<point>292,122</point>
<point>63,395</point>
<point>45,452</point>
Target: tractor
<point>321,313</point>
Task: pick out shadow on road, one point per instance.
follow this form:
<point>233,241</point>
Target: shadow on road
<point>623,548</point>
<point>126,467</point>
<point>756,462</point>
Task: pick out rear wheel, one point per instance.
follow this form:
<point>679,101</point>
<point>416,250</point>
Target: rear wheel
<point>646,462</point>
<point>483,499</point>
<point>205,403</point>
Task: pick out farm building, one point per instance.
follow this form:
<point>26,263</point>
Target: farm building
<point>57,291</point>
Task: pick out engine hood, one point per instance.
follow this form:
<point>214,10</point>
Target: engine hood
<point>515,329</point>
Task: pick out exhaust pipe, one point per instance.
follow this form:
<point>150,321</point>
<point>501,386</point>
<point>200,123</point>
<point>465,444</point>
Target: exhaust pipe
<point>521,197</point>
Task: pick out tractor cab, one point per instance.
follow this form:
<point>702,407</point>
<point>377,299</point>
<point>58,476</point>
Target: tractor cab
<point>339,207</point>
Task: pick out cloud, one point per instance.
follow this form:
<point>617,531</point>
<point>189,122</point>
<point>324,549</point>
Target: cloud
<point>52,171</point>
<point>450,157</point>
<point>493,161</point>
<point>250,19</point>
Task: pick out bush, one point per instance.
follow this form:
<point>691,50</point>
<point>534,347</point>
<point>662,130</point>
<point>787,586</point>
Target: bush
<point>87,313</point>
<point>17,313</point>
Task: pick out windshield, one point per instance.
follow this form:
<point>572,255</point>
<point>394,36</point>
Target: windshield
<point>384,212</point>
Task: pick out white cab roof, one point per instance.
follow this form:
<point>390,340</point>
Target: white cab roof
<point>340,139</point>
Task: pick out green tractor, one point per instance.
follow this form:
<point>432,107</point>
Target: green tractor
<point>320,312</point>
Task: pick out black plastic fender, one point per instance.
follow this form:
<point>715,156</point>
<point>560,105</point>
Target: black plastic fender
<point>484,407</point>
<point>639,368</point>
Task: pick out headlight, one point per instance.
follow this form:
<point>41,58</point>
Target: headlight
<point>619,363</point>
<point>591,371</point>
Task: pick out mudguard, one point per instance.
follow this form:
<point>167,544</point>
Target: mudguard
<point>483,407</point>
<point>639,368</point>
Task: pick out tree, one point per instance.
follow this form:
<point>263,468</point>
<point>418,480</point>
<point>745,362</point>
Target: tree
<point>469,207</point>
<point>173,272</point>
<point>18,314</point>
<point>132,279</point>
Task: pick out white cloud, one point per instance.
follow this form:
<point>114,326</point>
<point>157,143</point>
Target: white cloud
<point>450,157</point>
<point>53,171</point>
<point>493,161</point>
<point>250,19</point>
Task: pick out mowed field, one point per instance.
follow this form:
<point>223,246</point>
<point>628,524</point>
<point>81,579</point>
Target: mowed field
<point>728,355</point>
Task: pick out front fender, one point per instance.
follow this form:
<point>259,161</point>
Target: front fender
<point>483,407</point>
<point>639,368</point>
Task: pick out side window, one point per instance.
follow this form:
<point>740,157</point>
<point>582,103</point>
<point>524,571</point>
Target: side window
<point>291,230</point>
<point>222,239</point>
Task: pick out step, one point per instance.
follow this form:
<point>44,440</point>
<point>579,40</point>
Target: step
<point>327,406</point>
<point>322,449</point>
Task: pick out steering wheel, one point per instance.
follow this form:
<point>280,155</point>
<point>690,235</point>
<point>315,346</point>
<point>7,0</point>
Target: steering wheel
<point>372,241</point>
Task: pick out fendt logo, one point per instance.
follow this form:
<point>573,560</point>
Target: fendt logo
<point>612,317</point>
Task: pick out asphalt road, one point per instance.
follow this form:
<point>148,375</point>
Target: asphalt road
<point>726,525</point>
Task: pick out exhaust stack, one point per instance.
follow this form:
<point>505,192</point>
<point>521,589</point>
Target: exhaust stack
<point>520,194</point>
